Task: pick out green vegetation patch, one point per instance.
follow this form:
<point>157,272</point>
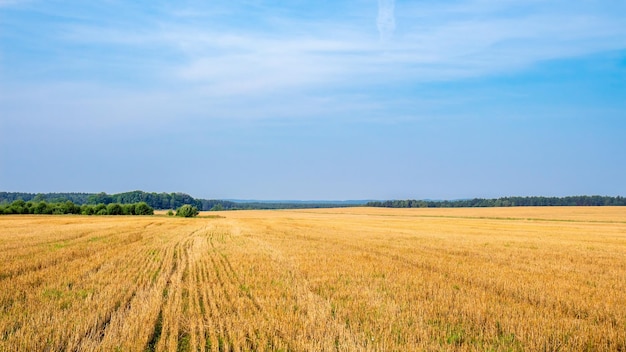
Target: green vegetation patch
<point>61,208</point>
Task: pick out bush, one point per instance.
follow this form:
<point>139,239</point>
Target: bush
<point>114,209</point>
<point>170,213</point>
<point>128,209</point>
<point>42,208</point>
<point>87,210</point>
<point>70,208</point>
<point>187,211</point>
<point>142,208</point>
<point>99,208</point>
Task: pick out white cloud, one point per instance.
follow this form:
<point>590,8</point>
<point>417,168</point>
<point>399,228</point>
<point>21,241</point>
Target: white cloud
<point>466,44</point>
<point>386,21</point>
<point>436,42</point>
<point>220,65</point>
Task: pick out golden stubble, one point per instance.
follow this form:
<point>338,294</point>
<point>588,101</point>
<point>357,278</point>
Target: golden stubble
<point>312,280</point>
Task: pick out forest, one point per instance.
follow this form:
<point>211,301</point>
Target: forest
<point>163,201</point>
<point>68,207</point>
<point>503,202</point>
<point>154,200</point>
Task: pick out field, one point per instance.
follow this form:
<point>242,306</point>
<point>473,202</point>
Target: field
<point>358,279</point>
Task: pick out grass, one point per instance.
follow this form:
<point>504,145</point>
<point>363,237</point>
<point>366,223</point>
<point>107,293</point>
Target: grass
<point>499,279</point>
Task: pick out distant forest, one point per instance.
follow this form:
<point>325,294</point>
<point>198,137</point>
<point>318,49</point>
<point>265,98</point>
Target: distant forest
<point>176,200</point>
<point>20,206</point>
<point>503,202</point>
<point>160,201</point>
<point>154,200</point>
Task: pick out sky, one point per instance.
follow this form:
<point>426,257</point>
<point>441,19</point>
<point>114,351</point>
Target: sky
<point>314,100</point>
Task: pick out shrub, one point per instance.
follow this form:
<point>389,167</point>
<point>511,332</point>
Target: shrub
<point>128,209</point>
<point>187,211</point>
<point>114,209</point>
<point>142,208</point>
<point>87,210</point>
<point>70,208</point>
<point>99,208</point>
<point>42,208</point>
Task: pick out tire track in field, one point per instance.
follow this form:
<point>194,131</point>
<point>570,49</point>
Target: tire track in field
<point>238,300</point>
<point>168,260</point>
<point>149,288</point>
<point>171,332</point>
<point>234,281</point>
<point>205,303</point>
<point>181,322</point>
<point>140,269</point>
<point>81,277</point>
<point>212,296</point>
<point>221,295</point>
<point>208,328</point>
<point>196,321</point>
<point>192,333</point>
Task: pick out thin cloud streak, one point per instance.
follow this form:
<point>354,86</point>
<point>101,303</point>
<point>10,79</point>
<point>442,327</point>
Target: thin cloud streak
<point>386,21</point>
<point>310,100</point>
<point>471,48</point>
<point>223,64</point>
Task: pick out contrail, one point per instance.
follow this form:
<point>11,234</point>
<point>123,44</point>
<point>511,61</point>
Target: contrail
<point>386,21</point>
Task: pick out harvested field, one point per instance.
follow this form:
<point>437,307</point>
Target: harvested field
<point>354,279</point>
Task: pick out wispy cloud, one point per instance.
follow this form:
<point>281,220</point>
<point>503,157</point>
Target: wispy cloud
<point>216,58</point>
<point>340,85</point>
<point>386,21</point>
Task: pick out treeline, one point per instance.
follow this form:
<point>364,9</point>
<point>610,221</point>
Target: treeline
<point>216,205</point>
<point>68,207</point>
<point>162,201</point>
<point>166,201</point>
<point>504,202</point>
<point>154,200</point>
<point>76,198</point>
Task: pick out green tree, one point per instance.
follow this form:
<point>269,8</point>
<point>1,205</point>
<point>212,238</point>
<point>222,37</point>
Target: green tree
<point>42,208</point>
<point>217,207</point>
<point>18,207</point>
<point>70,208</point>
<point>187,211</point>
<point>100,209</point>
<point>114,209</point>
<point>99,198</point>
<point>128,209</point>
<point>58,208</point>
<point>142,208</point>
<point>87,210</point>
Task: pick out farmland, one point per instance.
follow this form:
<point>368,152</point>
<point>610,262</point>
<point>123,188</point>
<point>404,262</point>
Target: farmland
<point>347,279</point>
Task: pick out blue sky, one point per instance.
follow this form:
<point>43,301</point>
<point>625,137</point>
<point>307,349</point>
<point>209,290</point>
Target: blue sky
<point>314,100</point>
